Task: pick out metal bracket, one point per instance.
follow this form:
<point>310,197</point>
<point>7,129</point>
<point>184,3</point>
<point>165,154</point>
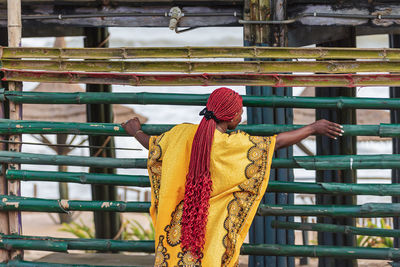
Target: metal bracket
<point>176,14</point>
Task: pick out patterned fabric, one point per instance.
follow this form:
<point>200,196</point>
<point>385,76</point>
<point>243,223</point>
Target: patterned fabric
<point>239,166</point>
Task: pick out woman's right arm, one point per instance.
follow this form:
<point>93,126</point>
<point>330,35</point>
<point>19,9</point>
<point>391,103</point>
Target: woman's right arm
<point>133,128</point>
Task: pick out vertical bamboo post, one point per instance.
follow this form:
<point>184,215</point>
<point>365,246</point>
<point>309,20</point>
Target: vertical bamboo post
<point>15,112</point>
<point>394,42</point>
<point>262,35</point>
<point>4,228</point>
<point>345,145</point>
<point>106,223</point>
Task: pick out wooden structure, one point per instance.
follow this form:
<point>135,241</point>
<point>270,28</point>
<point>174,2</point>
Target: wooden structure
<point>269,26</point>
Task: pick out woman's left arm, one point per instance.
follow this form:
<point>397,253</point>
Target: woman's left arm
<point>322,127</point>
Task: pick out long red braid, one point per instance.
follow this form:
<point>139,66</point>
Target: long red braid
<point>224,104</point>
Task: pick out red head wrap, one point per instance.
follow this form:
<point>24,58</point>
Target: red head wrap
<point>224,104</point>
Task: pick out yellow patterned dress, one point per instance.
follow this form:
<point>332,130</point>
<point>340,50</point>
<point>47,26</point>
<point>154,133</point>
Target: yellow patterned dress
<point>240,166</point>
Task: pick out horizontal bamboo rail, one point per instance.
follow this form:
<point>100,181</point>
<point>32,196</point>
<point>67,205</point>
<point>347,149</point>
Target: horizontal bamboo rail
<point>333,228</point>
<point>65,244</point>
<point>22,263</point>
<point>196,100</point>
<point>199,52</point>
<point>143,181</point>
<point>268,249</point>
<point>46,127</point>
<point>42,159</point>
<point>368,210</point>
<point>205,79</point>
<point>14,203</point>
<point>322,251</point>
<point>79,177</point>
<point>337,162</point>
<point>201,66</point>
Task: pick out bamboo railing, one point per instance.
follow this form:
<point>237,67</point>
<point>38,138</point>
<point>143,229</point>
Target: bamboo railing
<point>143,181</point>
<point>197,100</point>
<point>45,127</point>
<point>199,52</point>
<point>205,79</point>
<point>339,162</point>
<point>369,210</point>
<point>333,228</point>
<point>203,67</point>
<point>247,249</point>
<point>62,66</point>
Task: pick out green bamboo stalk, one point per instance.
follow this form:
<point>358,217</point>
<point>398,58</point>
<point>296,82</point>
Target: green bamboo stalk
<point>45,127</point>
<point>199,52</point>
<point>334,228</point>
<point>143,181</point>
<point>200,67</point>
<point>337,162</point>
<point>196,100</point>
<point>321,251</point>
<point>368,210</point>
<point>79,177</point>
<point>41,159</point>
<point>14,203</point>
<point>82,243</point>
<point>306,251</point>
<point>21,263</point>
<point>274,80</point>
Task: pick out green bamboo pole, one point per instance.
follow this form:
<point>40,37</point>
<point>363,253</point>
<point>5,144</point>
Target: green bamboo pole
<point>45,127</point>
<point>81,243</point>
<point>199,52</point>
<point>274,80</point>
<point>298,250</point>
<point>41,159</point>
<point>13,203</point>
<point>200,67</point>
<point>322,251</point>
<point>197,100</point>
<point>334,228</point>
<point>143,181</point>
<point>339,162</point>
<point>21,263</point>
<point>79,177</point>
<point>368,210</point>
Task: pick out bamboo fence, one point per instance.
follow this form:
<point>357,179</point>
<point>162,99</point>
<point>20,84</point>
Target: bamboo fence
<point>205,79</point>
<point>199,52</point>
<point>143,181</point>
<point>145,98</point>
<point>333,162</point>
<point>113,129</point>
<point>333,228</point>
<point>203,67</point>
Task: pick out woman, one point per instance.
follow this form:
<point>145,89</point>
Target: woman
<point>207,184</point>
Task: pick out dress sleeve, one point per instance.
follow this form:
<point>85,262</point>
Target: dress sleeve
<point>154,167</point>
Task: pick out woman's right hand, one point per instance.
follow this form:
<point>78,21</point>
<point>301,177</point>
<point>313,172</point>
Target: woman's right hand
<point>132,126</point>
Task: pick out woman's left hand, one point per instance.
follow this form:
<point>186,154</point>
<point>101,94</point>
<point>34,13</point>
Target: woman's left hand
<point>328,128</point>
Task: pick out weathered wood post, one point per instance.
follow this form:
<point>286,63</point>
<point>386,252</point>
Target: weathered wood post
<point>263,35</point>
<point>346,145</point>
<point>15,113</point>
